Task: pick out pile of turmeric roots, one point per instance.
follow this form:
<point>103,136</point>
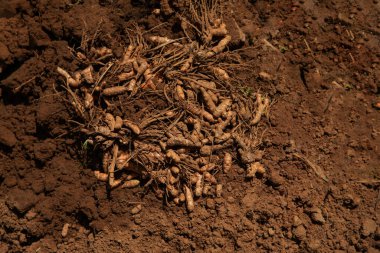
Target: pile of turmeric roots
<point>197,121</point>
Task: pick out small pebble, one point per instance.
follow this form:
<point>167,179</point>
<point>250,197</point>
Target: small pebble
<point>7,137</point>
<point>136,209</point>
<point>275,179</point>
<point>81,230</point>
<point>240,171</point>
<point>218,191</point>
<point>10,181</point>
<point>65,230</point>
<point>30,215</point>
<point>138,220</point>
<point>22,238</point>
<point>90,237</point>
<point>314,245</point>
<point>351,201</point>
<point>265,76</point>
<point>316,216</point>
<point>299,233</point>
<point>230,199</point>
<point>368,227</point>
<point>210,203</point>
<point>297,221</point>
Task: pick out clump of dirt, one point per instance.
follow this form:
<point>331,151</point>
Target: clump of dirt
<point>317,61</point>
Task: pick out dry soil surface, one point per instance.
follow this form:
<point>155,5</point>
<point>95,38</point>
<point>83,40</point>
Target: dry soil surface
<point>319,61</point>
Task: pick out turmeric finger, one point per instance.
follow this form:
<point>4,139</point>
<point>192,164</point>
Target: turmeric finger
<point>189,199</point>
<point>261,107</point>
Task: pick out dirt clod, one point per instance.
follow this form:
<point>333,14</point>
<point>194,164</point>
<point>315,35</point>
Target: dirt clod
<point>299,232</point>
<point>275,179</point>
<point>317,216</point>
<point>10,181</point>
<point>210,203</point>
<point>297,221</point>
<point>21,201</point>
<point>44,150</point>
<point>7,137</point>
<point>368,227</point>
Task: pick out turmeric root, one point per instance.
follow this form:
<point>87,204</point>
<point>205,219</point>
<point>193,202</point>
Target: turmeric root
<point>74,83</point>
<point>227,162</point>
<point>101,176</point>
<point>171,154</point>
<point>127,55</point>
<point>131,183</point>
<point>148,76</point>
<point>165,7</point>
<point>189,199</point>
<point>262,106</point>
<point>222,138</point>
<point>208,85</point>
<point>88,74</point>
<point>220,73</point>
<point>198,185</point>
<point>126,75</point>
<point>88,100</point>
<point>220,47</point>
<point>186,66</point>
<point>190,94</point>
<point>182,197</point>
<point>222,107</point>
<point>175,170</point>
<point>114,91</point>
<point>118,123</point>
<point>254,168</point>
<point>207,167</point>
<point>180,93</point>
<point>213,96</point>
<point>122,160</point>
<point>111,171</point>
<point>163,40</point>
<point>206,189</point>
<point>131,85</point>
<point>181,142</point>
<point>172,190</point>
<point>219,190</point>
<point>101,52</point>
<point>110,120</point>
<point>199,112</point>
<point>132,126</point>
<point>208,150</point>
<point>208,100</point>
<point>219,31</point>
<point>208,177</point>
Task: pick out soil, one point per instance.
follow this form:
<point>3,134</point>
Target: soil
<point>319,61</point>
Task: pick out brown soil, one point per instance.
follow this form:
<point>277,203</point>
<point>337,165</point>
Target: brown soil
<point>322,65</point>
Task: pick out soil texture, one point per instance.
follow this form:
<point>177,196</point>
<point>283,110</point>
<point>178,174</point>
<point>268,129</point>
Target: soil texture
<point>318,61</point>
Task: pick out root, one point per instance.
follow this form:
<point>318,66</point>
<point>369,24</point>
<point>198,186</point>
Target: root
<point>167,113</point>
<point>111,170</point>
<point>262,106</point>
<point>74,82</point>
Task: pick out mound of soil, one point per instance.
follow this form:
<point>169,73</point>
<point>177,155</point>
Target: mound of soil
<point>319,63</point>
